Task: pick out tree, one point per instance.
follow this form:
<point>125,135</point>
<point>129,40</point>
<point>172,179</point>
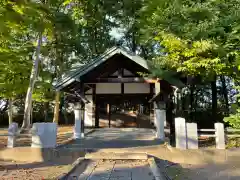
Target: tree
<point>15,53</point>
<point>191,37</point>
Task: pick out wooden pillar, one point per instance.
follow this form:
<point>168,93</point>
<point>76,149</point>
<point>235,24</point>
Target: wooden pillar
<point>96,114</point>
<point>151,106</point>
<point>157,90</point>
<point>82,119</point>
<point>94,117</point>
<point>109,115</point>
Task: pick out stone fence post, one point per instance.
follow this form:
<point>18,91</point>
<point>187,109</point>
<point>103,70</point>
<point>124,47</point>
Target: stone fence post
<point>12,135</point>
<point>180,133</point>
<point>220,136</point>
<point>44,135</point>
<point>192,136</point>
<point>187,135</point>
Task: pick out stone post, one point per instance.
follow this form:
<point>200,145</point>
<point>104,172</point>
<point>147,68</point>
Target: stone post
<point>180,133</point>
<point>220,136</point>
<point>44,135</point>
<point>89,111</point>
<point>50,133</point>
<point>192,136</point>
<point>12,132</point>
<point>159,121</point>
<point>77,126</point>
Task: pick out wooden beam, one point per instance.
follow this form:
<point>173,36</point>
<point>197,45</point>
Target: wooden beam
<point>124,80</point>
<point>79,96</point>
<point>82,96</point>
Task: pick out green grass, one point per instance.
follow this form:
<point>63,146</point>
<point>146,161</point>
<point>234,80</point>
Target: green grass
<point>177,173</point>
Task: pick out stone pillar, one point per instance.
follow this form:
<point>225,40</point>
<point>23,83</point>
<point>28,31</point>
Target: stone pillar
<point>12,131</point>
<point>82,119</point>
<point>44,135</point>
<point>192,136</point>
<point>180,133</point>
<point>220,136</point>
<point>160,118</point>
<point>77,126</point>
<point>88,120</point>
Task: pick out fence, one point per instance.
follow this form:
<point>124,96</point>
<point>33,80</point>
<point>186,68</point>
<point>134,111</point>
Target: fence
<point>187,134</point>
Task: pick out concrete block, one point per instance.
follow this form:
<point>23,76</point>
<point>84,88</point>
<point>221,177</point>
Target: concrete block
<point>12,131</point>
<point>44,135</point>
<point>180,133</point>
<point>220,136</point>
<point>192,136</point>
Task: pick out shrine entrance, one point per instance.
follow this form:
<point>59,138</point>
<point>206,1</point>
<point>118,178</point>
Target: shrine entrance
<point>126,111</point>
<point>115,90</point>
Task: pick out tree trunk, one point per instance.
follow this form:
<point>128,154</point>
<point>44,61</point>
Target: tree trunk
<point>33,77</point>
<point>65,110</point>
<point>214,100</point>
<point>56,108</point>
<point>10,111</point>
<point>225,94</point>
<point>46,106</point>
<point>192,88</point>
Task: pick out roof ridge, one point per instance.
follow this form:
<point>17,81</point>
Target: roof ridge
<point>84,67</point>
<point>98,60</point>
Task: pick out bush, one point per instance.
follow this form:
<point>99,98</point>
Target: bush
<point>233,142</point>
<point>234,119</point>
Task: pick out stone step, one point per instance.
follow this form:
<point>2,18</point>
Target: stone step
<point>112,155</point>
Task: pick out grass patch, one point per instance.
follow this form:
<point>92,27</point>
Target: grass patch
<point>177,172</point>
<point>233,143</point>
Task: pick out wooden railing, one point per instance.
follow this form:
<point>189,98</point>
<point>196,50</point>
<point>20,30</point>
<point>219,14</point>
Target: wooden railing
<point>229,132</point>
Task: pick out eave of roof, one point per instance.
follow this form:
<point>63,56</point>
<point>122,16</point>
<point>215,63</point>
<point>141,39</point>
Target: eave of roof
<point>75,76</point>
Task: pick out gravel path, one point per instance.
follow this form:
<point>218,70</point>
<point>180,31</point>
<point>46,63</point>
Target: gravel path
<point>113,170</point>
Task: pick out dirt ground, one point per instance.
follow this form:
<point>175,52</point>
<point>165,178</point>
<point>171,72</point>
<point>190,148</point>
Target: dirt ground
<point>38,171</point>
<point>227,170</point>
<point>26,141</point>
<point>35,171</point>
<point>224,171</point>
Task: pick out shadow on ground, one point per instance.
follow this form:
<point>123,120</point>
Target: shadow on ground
<point>228,170</point>
<point>116,138</point>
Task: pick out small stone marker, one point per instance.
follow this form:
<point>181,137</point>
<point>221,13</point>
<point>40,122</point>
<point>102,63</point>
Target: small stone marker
<point>220,137</point>
<point>192,136</point>
<point>180,133</point>
<point>12,131</point>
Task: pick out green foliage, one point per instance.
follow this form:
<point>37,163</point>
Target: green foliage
<point>234,119</point>
<point>192,58</point>
<point>180,38</point>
